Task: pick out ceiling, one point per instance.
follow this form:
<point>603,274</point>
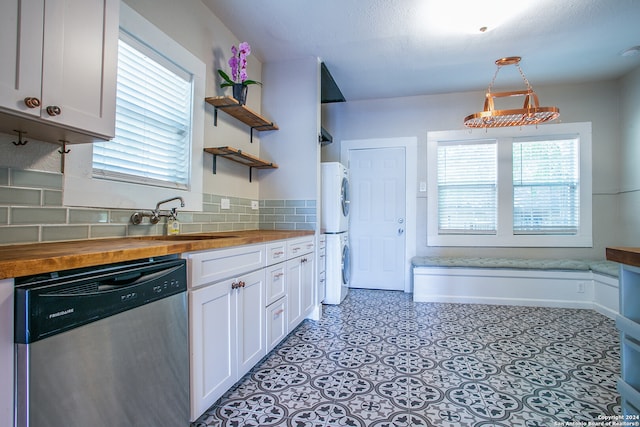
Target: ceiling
<point>391,48</point>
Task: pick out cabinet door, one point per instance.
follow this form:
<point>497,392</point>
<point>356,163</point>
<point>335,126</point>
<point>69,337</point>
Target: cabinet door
<point>79,64</point>
<point>250,321</point>
<point>306,283</point>
<point>294,292</point>
<point>212,322</point>
<point>21,28</point>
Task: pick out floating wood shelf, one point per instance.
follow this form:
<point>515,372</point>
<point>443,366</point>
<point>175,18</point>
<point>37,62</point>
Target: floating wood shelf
<point>238,156</point>
<point>241,112</point>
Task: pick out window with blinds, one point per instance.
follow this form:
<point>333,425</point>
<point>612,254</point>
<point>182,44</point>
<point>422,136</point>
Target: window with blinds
<point>153,120</point>
<point>467,187</point>
<point>546,184</point>
<point>510,187</point>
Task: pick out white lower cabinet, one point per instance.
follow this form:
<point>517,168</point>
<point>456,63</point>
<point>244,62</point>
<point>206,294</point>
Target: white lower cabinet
<point>243,301</point>
<point>227,336</point>
<point>300,285</point>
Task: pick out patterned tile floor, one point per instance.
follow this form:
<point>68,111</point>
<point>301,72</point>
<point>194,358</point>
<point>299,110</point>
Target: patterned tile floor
<point>379,359</point>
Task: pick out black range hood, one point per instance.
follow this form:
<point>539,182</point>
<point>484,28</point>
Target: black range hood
<point>329,90</point>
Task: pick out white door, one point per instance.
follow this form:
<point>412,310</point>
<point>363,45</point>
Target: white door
<point>377,228</point>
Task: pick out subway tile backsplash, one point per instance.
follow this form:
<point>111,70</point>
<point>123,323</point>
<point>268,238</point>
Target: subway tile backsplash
<point>31,211</point>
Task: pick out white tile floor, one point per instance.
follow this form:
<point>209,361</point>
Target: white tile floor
<point>379,359</point>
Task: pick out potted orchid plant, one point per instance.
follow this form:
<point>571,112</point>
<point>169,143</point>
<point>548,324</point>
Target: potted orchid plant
<point>238,80</point>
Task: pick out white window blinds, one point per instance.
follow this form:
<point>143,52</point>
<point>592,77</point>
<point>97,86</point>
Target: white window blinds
<point>153,120</point>
<point>467,187</point>
<point>546,177</point>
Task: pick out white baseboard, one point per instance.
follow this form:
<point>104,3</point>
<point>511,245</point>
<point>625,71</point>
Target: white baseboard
<point>542,288</point>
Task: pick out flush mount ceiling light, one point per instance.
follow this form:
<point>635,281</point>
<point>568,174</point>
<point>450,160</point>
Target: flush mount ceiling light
<point>530,114</point>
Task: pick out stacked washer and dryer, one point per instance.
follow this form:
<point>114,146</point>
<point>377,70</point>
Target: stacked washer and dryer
<point>335,227</point>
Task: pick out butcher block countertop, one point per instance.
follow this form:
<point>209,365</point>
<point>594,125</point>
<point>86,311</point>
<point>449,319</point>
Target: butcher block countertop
<point>38,258</point>
<point>629,256</point>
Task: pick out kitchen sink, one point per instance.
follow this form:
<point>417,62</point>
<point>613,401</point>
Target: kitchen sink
<point>193,237</point>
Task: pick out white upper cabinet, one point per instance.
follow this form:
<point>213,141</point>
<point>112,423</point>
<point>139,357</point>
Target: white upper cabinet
<point>58,74</point>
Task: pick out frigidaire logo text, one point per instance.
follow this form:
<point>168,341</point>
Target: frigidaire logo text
<point>61,313</point>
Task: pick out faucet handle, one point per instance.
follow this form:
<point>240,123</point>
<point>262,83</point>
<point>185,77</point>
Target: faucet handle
<point>155,217</point>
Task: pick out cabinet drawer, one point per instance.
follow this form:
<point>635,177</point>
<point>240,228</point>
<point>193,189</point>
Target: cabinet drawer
<point>212,266</point>
<point>303,245</point>
<point>276,283</point>
<point>322,263</point>
<point>276,252</point>
<point>630,292</point>
<point>630,398</point>
<point>276,323</point>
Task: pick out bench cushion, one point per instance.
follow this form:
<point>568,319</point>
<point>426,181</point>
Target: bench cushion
<point>508,263</point>
<point>609,268</point>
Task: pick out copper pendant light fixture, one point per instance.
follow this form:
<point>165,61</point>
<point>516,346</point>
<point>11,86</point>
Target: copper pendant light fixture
<point>530,114</point>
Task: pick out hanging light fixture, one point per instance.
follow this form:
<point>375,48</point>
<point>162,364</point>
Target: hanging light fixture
<point>530,114</point>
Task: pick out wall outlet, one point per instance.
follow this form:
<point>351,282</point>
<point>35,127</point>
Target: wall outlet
<point>225,204</point>
<point>581,286</point>
<point>254,205</point>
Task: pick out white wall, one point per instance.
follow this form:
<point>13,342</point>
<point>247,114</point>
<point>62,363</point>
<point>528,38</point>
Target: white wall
<point>292,99</point>
<point>630,158</point>
<point>415,116</point>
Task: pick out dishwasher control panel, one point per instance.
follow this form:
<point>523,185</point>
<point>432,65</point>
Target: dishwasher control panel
<point>52,304</point>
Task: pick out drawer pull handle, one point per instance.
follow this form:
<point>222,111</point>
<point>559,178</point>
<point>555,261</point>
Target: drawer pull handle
<point>238,284</point>
<point>278,253</point>
<point>303,260</point>
<point>32,102</point>
<point>278,312</point>
<point>277,276</point>
<point>54,110</point>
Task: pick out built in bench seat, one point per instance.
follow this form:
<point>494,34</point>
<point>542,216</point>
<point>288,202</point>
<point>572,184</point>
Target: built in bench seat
<point>518,281</point>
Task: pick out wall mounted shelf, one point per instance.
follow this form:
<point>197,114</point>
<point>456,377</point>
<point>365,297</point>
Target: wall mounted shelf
<point>238,156</point>
<point>241,112</point>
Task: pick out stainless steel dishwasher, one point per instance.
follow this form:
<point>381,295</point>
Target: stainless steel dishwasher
<point>103,346</point>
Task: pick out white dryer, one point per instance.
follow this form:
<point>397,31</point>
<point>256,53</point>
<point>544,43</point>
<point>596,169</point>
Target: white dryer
<point>338,268</point>
<point>335,198</point>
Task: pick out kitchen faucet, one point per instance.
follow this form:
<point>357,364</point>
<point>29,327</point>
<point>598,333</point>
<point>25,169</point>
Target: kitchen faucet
<point>155,215</point>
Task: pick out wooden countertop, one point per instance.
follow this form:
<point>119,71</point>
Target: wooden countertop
<point>37,258</point>
<point>629,256</point>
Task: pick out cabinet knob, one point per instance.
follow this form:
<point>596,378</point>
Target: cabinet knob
<point>32,102</point>
<point>241,284</point>
<point>53,110</point>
